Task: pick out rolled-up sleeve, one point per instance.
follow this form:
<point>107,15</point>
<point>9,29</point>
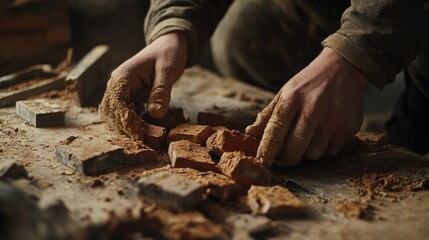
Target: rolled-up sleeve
<point>380,37</point>
<point>196,18</point>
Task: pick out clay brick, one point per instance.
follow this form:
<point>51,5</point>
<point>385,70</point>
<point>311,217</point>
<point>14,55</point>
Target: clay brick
<point>41,113</point>
<point>90,156</point>
<point>172,190</point>
<point>232,140</point>
<point>172,118</point>
<point>245,170</point>
<point>194,133</point>
<point>186,154</point>
<point>274,201</point>
<point>135,152</point>
<point>210,119</point>
<point>155,136</point>
<point>218,186</point>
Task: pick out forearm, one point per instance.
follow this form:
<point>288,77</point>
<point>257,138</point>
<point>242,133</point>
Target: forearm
<point>196,18</point>
<point>380,37</point>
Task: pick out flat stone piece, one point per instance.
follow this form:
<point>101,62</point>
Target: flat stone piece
<point>135,152</point>
<point>155,136</point>
<point>194,133</point>
<point>248,223</point>
<point>89,156</point>
<point>210,119</point>
<point>172,190</point>
<point>41,113</point>
<point>245,170</point>
<point>10,169</point>
<point>274,201</point>
<point>172,118</point>
<point>231,141</point>
<point>186,154</point>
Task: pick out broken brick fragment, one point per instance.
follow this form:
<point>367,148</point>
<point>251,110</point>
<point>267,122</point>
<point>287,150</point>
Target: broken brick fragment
<point>172,118</point>
<point>245,170</point>
<point>172,190</point>
<point>10,169</point>
<point>210,119</point>
<point>135,152</point>
<point>274,201</point>
<point>194,133</point>
<point>232,140</point>
<point>186,154</point>
<point>90,156</point>
<point>155,136</point>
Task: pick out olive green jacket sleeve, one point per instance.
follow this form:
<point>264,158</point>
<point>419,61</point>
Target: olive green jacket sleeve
<point>380,37</point>
<point>196,18</point>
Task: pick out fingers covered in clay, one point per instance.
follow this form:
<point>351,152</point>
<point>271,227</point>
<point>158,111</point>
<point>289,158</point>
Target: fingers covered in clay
<point>117,109</point>
<point>257,128</point>
<point>276,131</point>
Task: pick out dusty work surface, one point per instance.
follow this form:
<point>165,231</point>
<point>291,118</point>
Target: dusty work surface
<point>370,191</point>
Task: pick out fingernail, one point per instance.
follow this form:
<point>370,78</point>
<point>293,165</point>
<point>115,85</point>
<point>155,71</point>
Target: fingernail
<point>156,110</point>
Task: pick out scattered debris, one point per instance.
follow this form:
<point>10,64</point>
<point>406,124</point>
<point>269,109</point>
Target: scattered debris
<point>155,136</point>
<point>10,169</point>
<point>135,152</point>
<point>194,133</point>
<point>245,170</point>
<point>186,154</point>
<point>97,183</point>
<point>172,190</point>
<point>275,202</point>
<point>232,140</point>
<point>41,113</point>
<point>354,209</point>
<point>210,119</point>
<point>90,156</point>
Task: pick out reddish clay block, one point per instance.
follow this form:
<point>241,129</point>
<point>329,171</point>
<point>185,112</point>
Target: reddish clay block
<point>245,170</point>
<point>135,152</point>
<point>210,119</point>
<point>155,136</point>
<point>194,133</point>
<point>274,201</point>
<point>172,118</point>
<point>232,140</point>
<point>186,154</point>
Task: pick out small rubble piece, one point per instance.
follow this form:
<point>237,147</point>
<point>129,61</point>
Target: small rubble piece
<point>136,153</point>
<point>194,133</point>
<point>187,225</point>
<point>232,140</point>
<point>186,154</point>
<point>10,169</point>
<point>353,209</point>
<point>210,119</point>
<point>90,156</point>
<point>274,201</point>
<point>172,190</point>
<point>172,118</point>
<point>41,113</point>
<point>243,226</point>
<point>155,136</point>
<point>245,170</point>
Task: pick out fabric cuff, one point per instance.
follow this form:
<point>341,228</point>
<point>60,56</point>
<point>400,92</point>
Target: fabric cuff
<point>172,25</point>
<point>358,56</point>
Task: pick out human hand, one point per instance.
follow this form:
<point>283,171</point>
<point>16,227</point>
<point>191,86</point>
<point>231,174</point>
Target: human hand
<point>146,77</point>
<point>315,113</point>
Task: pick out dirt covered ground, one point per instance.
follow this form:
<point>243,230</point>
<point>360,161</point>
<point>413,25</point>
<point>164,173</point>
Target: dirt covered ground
<point>370,191</point>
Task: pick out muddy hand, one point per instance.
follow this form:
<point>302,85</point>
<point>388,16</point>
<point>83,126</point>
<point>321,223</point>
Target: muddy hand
<point>315,113</point>
<point>147,77</point>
